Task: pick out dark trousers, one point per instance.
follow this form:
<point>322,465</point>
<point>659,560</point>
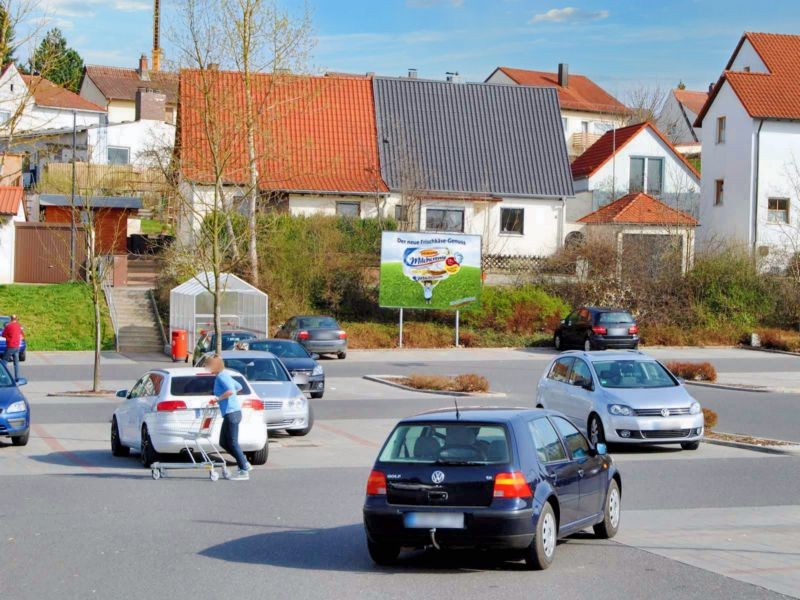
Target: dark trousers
<point>12,354</point>
<point>229,437</point>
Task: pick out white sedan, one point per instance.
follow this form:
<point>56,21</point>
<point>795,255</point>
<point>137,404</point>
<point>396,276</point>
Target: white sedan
<point>165,404</point>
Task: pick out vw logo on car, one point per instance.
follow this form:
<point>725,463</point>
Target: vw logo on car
<point>664,412</point>
<point>437,477</point>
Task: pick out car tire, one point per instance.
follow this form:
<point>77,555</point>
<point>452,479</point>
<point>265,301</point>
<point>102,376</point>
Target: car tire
<point>608,527</point>
<point>557,343</point>
<point>597,435</point>
<point>317,395</point>
<point>383,554</point>
<point>305,430</point>
<point>258,457</point>
<point>587,345</point>
<point>117,447</point>
<point>148,454</point>
<point>341,355</point>
<point>542,550</point>
<point>23,356</point>
<point>21,440</point>
<point>690,445</point>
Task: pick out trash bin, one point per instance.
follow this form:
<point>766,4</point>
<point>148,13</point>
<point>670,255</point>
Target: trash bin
<point>179,350</point>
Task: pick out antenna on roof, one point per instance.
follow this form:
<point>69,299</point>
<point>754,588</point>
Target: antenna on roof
<point>458,414</point>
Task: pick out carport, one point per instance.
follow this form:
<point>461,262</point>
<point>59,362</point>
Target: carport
<point>191,306</point>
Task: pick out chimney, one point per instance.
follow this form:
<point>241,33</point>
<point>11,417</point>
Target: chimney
<point>710,87</point>
<point>412,73</point>
<point>453,77</point>
<point>563,74</point>
<point>150,105</point>
<point>213,66</point>
<point>144,72</point>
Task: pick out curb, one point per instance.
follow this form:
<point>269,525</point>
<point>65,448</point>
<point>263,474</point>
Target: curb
<point>770,350</point>
<point>793,450</point>
<point>400,386</point>
<point>730,387</point>
<point>100,394</point>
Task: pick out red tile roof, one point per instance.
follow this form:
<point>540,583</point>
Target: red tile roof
<point>117,83</point>
<point>313,134</point>
<point>10,199</point>
<point>48,94</point>
<point>773,95</point>
<point>692,100</point>
<point>611,142</point>
<point>638,209</point>
<point>581,92</point>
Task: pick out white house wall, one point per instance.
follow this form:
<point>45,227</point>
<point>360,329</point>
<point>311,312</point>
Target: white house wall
<point>307,205</point>
<point>139,137</point>
<point>7,242</point>
<point>92,93</point>
<point>732,161</point>
<point>673,123</point>
<point>748,57</point>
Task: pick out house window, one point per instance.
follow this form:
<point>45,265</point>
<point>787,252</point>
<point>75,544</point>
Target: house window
<point>719,190</point>
<point>401,212</point>
<point>655,176</point>
<point>5,117</point>
<point>118,156</point>
<point>778,210</point>
<point>512,220</point>
<point>636,183</point>
<point>564,124</point>
<point>649,170</point>
<point>585,127</point>
<point>348,209</point>
<point>720,130</point>
<point>444,219</point>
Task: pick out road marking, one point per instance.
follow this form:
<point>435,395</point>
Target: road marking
<point>353,438</point>
<point>56,446</point>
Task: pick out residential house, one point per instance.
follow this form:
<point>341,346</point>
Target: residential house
<point>12,210</point>
<point>677,118</point>
<point>317,148</point>
<point>587,110</point>
<point>648,234</point>
<point>115,88</point>
<point>636,158</point>
<point>451,167</point>
<point>751,149</point>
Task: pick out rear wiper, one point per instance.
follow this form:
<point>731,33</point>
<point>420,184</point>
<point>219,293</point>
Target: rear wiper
<point>451,461</point>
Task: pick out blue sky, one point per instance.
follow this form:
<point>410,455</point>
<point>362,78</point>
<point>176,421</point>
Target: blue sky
<point>619,43</point>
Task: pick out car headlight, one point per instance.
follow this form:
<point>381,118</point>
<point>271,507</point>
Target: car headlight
<point>620,410</point>
<point>15,407</point>
<point>298,402</point>
<point>694,409</point>
<point>317,370</point>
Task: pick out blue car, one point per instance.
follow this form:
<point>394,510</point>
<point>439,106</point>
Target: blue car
<point>15,412</point>
<point>4,320</point>
<point>508,480</point>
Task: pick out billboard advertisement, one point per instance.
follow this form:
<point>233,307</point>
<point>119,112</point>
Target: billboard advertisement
<point>430,270</point>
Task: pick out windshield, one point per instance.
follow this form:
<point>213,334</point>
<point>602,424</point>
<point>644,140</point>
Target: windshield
<point>317,323</point>
<point>5,378</point>
<point>633,374</point>
<point>230,338</point>
<point>258,369</point>
<point>281,349</point>
<point>614,317</point>
<point>200,385</point>
<point>447,443</point>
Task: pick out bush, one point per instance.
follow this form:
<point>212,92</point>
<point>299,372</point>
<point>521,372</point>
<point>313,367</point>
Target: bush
<point>470,382</point>
<point>428,382</point>
<point>703,371</point>
<point>777,339</point>
<point>665,334</point>
<point>467,382</point>
<point>709,418</point>
<point>520,309</point>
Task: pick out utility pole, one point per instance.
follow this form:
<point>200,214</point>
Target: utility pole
<point>72,232</point>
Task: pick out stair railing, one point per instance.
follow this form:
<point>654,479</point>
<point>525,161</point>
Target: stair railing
<point>106,272</point>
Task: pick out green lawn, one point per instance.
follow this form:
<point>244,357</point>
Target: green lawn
<point>397,290</point>
<point>55,317</point>
<point>153,227</point>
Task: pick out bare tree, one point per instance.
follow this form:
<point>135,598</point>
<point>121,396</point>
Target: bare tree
<point>645,103</point>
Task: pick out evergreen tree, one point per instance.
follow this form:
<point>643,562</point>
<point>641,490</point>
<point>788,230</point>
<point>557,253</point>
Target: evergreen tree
<point>55,61</point>
<point>6,37</point>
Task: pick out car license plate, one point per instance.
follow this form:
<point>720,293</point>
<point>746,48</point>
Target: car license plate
<point>196,413</point>
<point>421,520</point>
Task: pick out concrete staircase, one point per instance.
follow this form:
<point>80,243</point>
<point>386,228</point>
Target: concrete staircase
<point>136,319</point>
<point>142,271</point>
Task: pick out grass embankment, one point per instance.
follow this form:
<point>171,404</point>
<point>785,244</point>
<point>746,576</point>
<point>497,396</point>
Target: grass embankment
<point>55,317</point>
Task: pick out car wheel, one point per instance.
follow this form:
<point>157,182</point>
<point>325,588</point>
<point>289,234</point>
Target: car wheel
<point>690,445</point>
<point>21,440</point>
<point>607,528</point>
<point>305,430</point>
<point>557,341</point>
<point>597,434</point>
<point>259,457</point>
<point>148,454</point>
<point>587,345</point>
<point>117,447</point>
<point>542,550</point>
<point>341,355</point>
<point>22,356</point>
<point>317,395</point>
<point>383,554</point>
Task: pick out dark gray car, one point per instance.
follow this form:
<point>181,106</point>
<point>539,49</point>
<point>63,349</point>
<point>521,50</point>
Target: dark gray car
<point>321,335</point>
<point>300,363</point>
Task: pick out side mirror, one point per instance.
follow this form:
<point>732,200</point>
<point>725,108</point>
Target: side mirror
<point>315,357</point>
<point>601,449</point>
<point>122,393</point>
<point>22,381</point>
<point>588,386</point>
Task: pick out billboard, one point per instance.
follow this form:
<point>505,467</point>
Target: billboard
<point>430,270</point>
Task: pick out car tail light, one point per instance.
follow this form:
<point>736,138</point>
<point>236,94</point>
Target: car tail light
<point>254,404</point>
<point>303,335</point>
<point>170,405</point>
<point>599,330</point>
<point>342,335</point>
<point>511,485</point>
<point>376,484</point>
<point>633,329</point>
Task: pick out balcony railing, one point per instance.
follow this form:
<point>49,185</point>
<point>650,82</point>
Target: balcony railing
<point>579,142</point>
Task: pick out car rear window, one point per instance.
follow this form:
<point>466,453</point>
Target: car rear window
<point>614,317</point>
<point>200,385</point>
<point>447,443</point>
<point>229,339</point>
<point>318,323</point>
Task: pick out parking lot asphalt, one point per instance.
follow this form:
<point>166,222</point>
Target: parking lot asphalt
<point>76,522</point>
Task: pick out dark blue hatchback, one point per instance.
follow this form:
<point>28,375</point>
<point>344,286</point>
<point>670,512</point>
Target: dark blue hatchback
<point>15,412</point>
<point>495,479</point>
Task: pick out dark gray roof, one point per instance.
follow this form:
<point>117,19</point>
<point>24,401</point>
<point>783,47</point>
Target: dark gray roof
<point>471,138</point>
<point>131,202</point>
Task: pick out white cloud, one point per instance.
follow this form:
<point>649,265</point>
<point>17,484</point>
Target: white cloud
<point>569,14</point>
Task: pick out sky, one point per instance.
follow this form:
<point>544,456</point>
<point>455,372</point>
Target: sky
<point>621,44</point>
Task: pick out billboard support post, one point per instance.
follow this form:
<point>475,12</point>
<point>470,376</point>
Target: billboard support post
<point>401,328</point>
<point>458,315</point>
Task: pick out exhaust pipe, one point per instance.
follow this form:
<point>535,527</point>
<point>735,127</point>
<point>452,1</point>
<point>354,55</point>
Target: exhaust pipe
<point>433,539</point>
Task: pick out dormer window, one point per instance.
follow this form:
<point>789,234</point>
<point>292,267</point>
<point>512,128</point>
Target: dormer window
<point>747,69</point>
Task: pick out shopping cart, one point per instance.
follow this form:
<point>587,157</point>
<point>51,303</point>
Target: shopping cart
<point>197,437</point>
